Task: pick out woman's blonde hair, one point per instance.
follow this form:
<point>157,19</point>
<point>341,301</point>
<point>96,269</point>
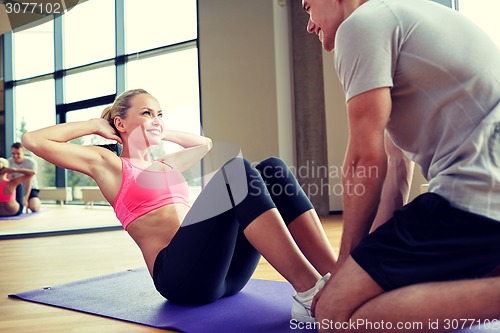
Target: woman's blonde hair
<point>3,163</point>
<point>120,106</point>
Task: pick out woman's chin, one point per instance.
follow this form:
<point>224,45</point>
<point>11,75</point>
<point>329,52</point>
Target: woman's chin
<point>154,140</point>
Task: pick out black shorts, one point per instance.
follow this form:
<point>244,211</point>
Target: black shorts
<point>428,240</point>
<point>34,193</point>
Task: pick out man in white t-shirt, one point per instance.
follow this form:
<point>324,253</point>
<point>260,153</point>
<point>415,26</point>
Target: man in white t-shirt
<point>31,189</point>
<point>422,86</point>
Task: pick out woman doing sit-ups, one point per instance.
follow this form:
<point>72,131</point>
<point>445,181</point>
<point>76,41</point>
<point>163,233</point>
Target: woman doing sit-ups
<point>201,252</point>
<point>12,190</point>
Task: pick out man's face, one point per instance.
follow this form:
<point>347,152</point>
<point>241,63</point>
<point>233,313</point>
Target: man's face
<point>324,20</point>
<point>17,155</point>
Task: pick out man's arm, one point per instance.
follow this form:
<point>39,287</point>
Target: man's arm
<point>32,165</point>
<point>27,189</point>
<point>365,165</point>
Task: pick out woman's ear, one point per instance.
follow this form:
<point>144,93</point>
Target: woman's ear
<point>119,125</point>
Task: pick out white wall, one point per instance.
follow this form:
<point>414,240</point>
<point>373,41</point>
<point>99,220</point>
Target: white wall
<point>241,93</point>
<point>337,130</point>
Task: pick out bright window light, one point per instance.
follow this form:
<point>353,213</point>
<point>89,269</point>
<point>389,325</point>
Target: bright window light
<point>485,14</point>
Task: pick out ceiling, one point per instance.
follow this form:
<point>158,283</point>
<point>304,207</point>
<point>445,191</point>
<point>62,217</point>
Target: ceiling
<point>17,15</point>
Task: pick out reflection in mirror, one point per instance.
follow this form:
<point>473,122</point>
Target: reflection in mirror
<point>169,72</point>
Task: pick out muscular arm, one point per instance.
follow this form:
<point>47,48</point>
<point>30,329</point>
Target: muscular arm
<point>365,165</point>
<point>27,184</point>
<point>27,189</point>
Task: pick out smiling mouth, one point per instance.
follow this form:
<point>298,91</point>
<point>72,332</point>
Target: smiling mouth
<point>154,131</point>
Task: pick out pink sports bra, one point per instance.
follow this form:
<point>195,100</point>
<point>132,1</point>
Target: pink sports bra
<point>4,197</point>
<point>142,191</point>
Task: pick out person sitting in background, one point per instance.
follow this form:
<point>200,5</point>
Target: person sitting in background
<point>12,190</point>
<point>20,161</point>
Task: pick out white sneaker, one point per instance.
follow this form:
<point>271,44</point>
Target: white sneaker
<point>301,303</point>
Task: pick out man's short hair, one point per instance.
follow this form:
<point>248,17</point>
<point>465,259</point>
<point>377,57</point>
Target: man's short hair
<point>17,145</point>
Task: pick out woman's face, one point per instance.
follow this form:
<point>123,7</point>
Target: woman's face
<point>143,124</point>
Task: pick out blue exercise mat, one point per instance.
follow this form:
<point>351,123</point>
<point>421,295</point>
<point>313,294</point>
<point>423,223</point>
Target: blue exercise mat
<point>17,217</point>
<point>262,306</point>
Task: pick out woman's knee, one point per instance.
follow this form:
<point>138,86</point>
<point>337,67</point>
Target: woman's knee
<point>269,166</point>
<point>272,168</point>
<point>238,168</point>
<point>269,163</point>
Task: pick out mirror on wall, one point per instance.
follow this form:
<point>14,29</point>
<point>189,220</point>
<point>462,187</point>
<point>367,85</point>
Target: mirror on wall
<point>2,105</point>
<point>2,113</point>
<point>54,78</point>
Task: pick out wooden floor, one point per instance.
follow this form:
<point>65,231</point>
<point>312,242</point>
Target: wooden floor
<point>31,263</point>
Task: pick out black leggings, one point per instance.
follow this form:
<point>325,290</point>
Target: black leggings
<point>210,257</point>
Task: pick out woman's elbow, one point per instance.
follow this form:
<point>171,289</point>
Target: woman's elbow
<point>29,141</point>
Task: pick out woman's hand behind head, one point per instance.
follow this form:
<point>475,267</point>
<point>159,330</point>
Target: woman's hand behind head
<point>104,129</point>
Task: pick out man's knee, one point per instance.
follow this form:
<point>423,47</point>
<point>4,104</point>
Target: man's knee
<point>34,204</point>
<point>347,291</point>
<point>331,314</point>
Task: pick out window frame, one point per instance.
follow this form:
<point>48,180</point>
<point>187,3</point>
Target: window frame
<point>60,72</point>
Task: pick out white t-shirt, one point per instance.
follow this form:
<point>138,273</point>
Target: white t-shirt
<point>27,163</point>
<point>444,74</point>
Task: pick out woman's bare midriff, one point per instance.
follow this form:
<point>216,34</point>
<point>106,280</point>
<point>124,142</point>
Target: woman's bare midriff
<point>153,231</point>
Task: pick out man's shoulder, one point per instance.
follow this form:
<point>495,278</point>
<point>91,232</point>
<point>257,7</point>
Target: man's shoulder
<point>30,160</point>
<point>372,18</point>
